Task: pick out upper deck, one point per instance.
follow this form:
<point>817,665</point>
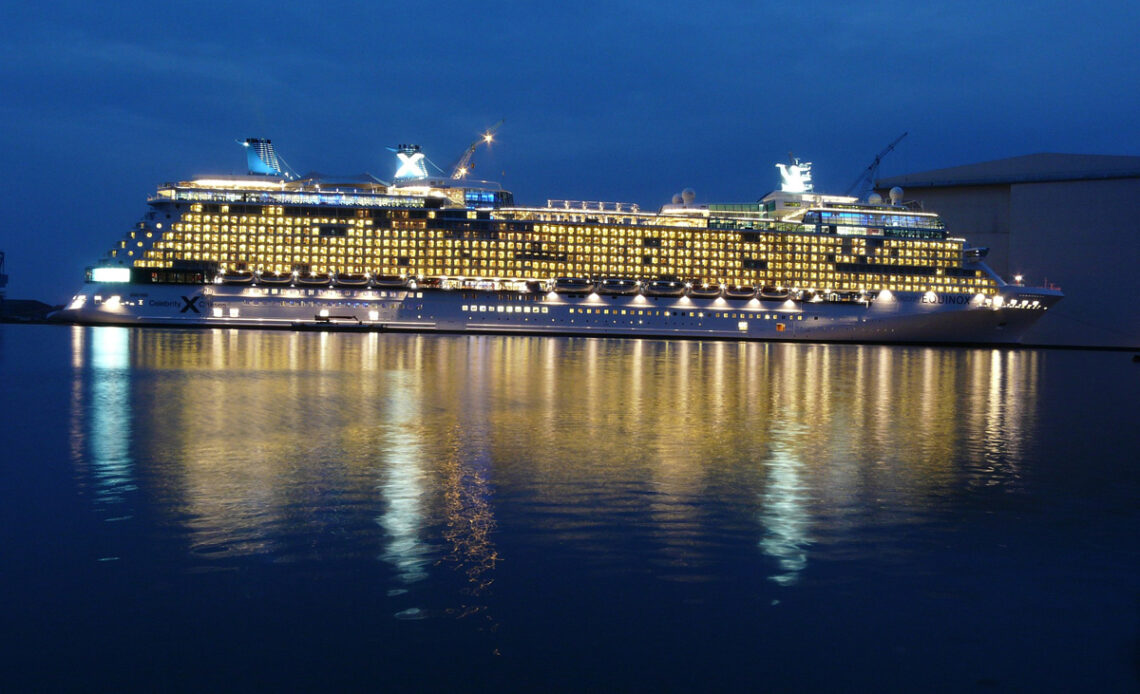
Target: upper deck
<point>319,191</point>
<point>778,211</point>
<point>795,208</point>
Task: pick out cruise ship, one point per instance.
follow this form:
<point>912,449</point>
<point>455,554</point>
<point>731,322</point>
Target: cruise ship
<point>445,253</point>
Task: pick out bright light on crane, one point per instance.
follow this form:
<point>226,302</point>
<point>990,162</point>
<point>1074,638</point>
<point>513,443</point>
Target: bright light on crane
<point>463,166</point>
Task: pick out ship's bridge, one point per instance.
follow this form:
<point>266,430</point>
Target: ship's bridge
<point>450,193</point>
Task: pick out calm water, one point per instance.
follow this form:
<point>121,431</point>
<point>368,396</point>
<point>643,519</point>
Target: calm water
<point>244,510</point>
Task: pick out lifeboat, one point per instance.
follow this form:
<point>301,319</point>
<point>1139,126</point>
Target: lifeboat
<point>665,288</point>
<point>704,290</point>
<point>618,287</point>
<point>537,286</point>
<point>739,291</point>
<point>478,285</point>
<point>275,278</point>
<point>237,277</point>
<point>318,280</point>
<point>393,281</point>
<point>573,285</point>
<point>812,296</point>
<point>351,280</point>
<point>774,293</point>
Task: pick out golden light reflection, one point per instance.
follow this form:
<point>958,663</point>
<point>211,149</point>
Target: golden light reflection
<point>397,447</point>
<point>469,519</point>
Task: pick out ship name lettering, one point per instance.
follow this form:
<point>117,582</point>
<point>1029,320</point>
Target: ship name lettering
<point>187,304</point>
<point>946,299</point>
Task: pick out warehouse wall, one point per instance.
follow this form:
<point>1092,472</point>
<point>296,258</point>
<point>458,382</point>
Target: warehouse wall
<point>1081,235</point>
<point>1084,236</point>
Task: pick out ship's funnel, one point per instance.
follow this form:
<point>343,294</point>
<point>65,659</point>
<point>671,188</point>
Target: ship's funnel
<point>411,163</point>
<point>261,157</point>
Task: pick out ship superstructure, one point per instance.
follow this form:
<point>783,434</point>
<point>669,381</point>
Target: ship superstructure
<point>273,241</point>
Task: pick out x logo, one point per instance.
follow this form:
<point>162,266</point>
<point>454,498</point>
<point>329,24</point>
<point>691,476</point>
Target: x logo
<point>191,304</point>
<point>411,166</point>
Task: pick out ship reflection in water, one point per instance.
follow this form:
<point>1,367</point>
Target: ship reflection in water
<point>101,414</point>
<point>299,446</point>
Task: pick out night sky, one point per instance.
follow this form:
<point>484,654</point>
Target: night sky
<point>619,101</point>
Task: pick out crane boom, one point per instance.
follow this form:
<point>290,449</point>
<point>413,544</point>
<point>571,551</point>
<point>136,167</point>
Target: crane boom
<point>868,175</point>
<point>463,165</point>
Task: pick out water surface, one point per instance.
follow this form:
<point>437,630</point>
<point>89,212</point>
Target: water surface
<point>237,510</point>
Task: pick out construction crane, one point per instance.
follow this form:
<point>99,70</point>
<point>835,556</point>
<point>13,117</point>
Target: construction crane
<point>866,180</point>
<point>463,166</point>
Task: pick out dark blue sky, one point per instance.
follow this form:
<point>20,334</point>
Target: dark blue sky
<point>628,101</point>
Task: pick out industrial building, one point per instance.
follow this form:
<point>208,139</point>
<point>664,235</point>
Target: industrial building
<point>1066,220</point>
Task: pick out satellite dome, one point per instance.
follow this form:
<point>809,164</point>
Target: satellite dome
<point>896,195</point>
<point>677,198</point>
<point>688,195</point>
<point>875,199</point>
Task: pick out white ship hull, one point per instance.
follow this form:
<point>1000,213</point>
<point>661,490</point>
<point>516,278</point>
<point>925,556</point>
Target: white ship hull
<point>900,317</point>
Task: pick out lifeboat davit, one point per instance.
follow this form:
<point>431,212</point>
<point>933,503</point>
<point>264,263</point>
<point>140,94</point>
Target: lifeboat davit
<point>275,278</point>
<point>237,277</point>
<point>665,288</point>
<point>704,290</point>
<point>739,291</point>
<point>350,280</point>
<point>618,287</point>
<point>573,285</point>
<point>389,281</point>
<point>318,280</point>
